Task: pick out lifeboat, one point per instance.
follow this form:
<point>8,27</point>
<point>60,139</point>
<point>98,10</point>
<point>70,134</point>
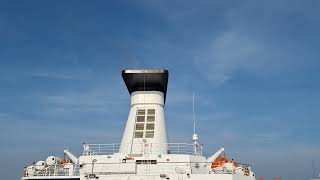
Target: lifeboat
<point>64,162</point>
<point>221,161</point>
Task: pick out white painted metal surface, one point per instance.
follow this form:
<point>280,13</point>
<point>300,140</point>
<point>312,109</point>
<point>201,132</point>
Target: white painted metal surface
<point>73,158</point>
<point>143,154</point>
<point>145,100</point>
<point>212,158</point>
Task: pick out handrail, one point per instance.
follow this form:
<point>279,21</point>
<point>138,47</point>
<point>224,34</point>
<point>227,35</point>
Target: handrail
<point>55,171</point>
<point>107,149</point>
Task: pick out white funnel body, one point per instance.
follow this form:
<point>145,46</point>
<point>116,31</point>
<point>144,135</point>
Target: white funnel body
<point>145,132</point>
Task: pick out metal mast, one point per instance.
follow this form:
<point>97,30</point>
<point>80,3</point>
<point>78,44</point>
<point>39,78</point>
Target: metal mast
<point>197,150</point>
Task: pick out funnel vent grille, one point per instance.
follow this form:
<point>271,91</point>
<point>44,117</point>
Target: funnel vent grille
<point>145,123</point>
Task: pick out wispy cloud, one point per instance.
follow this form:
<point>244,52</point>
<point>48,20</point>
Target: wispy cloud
<point>99,101</point>
<point>65,89</point>
<point>54,75</point>
<point>227,54</point>
<point>63,73</point>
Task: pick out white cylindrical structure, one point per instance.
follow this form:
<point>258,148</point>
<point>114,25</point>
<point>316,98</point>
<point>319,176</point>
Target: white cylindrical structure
<point>51,161</point>
<point>142,98</point>
<point>151,139</point>
<point>145,132</point>
<point>40,165</point>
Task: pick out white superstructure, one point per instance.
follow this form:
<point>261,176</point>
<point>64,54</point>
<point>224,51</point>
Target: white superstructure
<point>144,152</point>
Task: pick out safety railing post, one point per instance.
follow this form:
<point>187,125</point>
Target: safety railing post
<point>55,169</point>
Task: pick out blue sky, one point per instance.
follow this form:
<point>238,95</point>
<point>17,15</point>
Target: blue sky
<point>254,66</point>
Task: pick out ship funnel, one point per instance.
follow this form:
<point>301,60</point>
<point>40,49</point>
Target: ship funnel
<point>145,131</point>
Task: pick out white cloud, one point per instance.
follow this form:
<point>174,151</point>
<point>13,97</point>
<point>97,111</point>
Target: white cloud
<point>100,105</point>
<point>67,74</point>
<point>227,54</point>
<point>55,75</point>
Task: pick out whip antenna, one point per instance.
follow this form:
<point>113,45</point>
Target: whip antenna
<point>194,116</point>
<point>197,149</point>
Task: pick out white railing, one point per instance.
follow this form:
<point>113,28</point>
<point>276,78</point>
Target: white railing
<point>54,171</point>
<point>171,148</point>
<point>181,148</point>
<point>100,149</point>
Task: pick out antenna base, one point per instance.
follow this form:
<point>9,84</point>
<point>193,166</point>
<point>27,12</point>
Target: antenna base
<point>195,137</point>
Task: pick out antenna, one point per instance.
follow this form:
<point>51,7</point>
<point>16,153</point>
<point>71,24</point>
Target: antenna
<point>194,116</point>
<point>144,89</point>
<point>197,149</point>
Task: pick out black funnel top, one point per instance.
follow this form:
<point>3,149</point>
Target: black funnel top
<point>146,80</point>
